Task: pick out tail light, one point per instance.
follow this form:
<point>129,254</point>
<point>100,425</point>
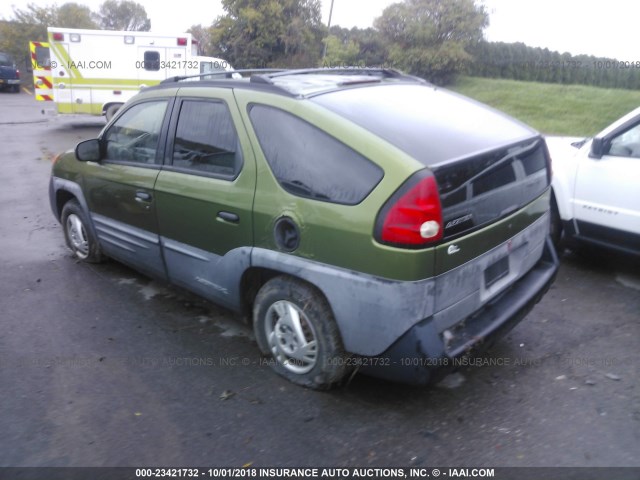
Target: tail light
<point>17,73</point>
<point>412,217</point>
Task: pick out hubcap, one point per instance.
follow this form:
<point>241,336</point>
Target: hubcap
<point>291,336</point>
<point>77,236</point>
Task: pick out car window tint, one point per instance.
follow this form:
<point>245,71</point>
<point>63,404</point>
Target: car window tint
<point>134,135</point>
<point>308,162</point>
<point>206,140</point>
<point>626,144</point>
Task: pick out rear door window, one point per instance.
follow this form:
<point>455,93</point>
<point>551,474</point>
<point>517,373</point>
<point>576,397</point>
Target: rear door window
<point>206,139</point>
<point>310,163</point>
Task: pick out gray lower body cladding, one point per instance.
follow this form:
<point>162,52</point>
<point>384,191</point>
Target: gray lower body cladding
<point>424,354</point>
<point>373,313</point>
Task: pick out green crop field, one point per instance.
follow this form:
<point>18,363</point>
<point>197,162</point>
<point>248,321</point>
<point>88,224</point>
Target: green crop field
<point>554,109</point>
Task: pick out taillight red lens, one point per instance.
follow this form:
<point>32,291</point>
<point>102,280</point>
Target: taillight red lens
<point>58,37</point>
<point>413,216</point>
<point>17,73</point>
<point>182,41</point>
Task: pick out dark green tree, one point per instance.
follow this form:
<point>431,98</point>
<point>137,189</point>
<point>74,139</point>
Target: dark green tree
<point>74,15</point>
<point>341,52</point>
<point>269,33</point>
<point>520,62</point>
<point>431,38</point>
<point>123,15</point>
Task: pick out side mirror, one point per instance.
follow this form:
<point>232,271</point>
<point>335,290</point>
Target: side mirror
<point>88,151</point>
<point>597,147</point>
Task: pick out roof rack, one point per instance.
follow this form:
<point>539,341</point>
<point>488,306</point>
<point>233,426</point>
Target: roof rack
<point>222,74</point>
<point>265,75</point>
<point>367,71</point>
<point>284,80</point>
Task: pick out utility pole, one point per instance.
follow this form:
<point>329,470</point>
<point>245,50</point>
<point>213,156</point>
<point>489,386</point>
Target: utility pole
<point>324,53</point>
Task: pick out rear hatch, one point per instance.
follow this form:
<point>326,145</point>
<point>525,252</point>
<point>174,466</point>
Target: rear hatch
<point>487,165</point>
<point>492,174</point>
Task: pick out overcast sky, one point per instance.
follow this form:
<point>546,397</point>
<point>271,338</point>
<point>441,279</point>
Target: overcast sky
<point>605,28</point>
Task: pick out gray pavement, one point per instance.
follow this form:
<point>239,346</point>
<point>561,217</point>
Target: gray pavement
<point>101,366</point>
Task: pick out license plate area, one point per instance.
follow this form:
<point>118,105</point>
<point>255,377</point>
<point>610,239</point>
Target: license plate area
<point>496,271</point>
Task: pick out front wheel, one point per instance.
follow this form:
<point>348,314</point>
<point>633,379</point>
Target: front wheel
<point>78,235</point>
<point>293,324</point>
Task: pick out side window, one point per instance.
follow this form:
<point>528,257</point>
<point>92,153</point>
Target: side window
<point>151,60</point>
<point>134,136</point>
<point>308,162</point>
<point>206,140</point>
<point>626,144</point>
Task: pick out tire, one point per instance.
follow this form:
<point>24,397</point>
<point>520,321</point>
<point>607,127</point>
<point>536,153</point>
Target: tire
<point>286,309</point>
<point>112,110</point>
<point>78,235</point>
<point>15,88</point>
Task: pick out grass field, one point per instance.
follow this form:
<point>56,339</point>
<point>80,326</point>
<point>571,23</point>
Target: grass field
<point>574,110</point>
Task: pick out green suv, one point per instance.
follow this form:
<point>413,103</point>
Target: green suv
<point>362,219</point>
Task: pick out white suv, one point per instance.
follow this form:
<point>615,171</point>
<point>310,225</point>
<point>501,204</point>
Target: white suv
<point>596,187</point>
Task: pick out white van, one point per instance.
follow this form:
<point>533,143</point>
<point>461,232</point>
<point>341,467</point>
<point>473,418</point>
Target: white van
<point>96,71</point>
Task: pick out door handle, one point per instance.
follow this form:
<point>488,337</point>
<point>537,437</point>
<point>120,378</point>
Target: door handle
<point>229,217</point>
<point>143,196</point>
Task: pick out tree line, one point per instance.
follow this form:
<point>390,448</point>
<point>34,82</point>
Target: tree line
<point>434,39</point>
<point>429,38</point>
<point>518,61</point>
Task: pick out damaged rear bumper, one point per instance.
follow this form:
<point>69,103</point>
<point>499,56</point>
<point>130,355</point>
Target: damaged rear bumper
<point>424,354</point>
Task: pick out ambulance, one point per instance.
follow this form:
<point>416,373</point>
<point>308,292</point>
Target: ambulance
<point>96,71</point>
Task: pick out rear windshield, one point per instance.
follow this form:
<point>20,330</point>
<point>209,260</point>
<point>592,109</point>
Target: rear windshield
<point>5,60</point>
<point>430,124</point>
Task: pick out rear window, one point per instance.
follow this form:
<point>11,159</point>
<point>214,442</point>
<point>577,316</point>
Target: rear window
<point>484,188</point>
<point>308,162</point>
<point>430,124</point>
<point>5,60</point>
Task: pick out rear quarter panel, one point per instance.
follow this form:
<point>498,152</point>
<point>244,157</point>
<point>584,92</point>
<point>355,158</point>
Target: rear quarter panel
<point>333,234</point>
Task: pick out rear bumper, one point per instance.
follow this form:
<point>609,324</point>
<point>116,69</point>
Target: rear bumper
<point>423,354</point>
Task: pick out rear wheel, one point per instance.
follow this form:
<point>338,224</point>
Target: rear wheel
<point>78,235</point>
<point>293,324</point>
<point>15,88</point>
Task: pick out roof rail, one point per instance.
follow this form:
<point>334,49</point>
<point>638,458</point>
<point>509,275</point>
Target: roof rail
<point>266,75</point>
<point>368,71</point>
<point>221,74</point>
